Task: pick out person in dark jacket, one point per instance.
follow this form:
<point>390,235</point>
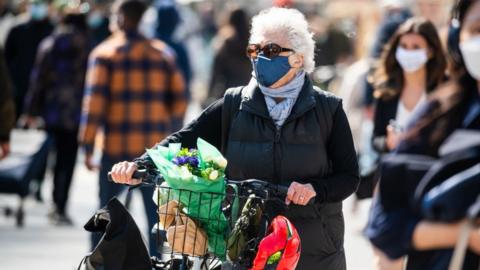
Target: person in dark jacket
<point>230,66</point>
<point>55,94</point>
<point>7,109</point>
<point>454,106</point>
<point>412,65</point>
<point>21,48</point>
<point>282,129</point>
<point>98,22</point>
<point>168,19</point>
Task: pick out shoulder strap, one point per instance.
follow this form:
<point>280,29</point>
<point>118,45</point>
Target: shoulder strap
<point>231,106</point>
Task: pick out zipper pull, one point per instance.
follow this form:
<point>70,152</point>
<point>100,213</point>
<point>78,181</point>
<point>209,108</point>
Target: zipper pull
<point>277,135</point>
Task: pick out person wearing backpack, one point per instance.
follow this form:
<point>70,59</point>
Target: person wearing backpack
<point>456,105</point>
<point>280,128</point>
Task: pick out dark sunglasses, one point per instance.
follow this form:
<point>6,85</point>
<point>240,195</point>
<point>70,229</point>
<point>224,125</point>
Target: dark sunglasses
<point>270,50</point>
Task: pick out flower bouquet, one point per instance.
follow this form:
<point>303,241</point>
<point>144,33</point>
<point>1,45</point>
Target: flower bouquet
<point>195,178</point>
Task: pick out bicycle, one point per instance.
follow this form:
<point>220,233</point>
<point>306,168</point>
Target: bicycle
<point>182,255</point>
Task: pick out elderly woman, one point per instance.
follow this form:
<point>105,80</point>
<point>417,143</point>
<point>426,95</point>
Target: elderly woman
<point>282,129</point>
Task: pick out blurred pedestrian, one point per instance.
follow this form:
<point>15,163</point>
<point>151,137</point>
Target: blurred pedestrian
<point>7,109</point>
<point>55,94</point>
<point>168,20</point>
<point>412,65</point>
<point>98,22</point>
<point>396,13</point>
<point>21,48</point>
<point>7,21</point>
<point>135,93</point>
<point>230,66</point>
<point>332,45</point>
<point>456,105</point>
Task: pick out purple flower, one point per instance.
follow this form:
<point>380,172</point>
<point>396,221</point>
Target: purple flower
<point>193,161</point>
<point>179,161</point>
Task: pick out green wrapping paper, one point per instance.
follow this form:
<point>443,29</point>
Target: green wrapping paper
<point>195,193</point>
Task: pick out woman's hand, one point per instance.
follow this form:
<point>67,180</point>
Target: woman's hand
<point>382,262</point>
<point>300,194</point>
<point>122,173</point>
<point>89,163</point>
<point>393,138</point>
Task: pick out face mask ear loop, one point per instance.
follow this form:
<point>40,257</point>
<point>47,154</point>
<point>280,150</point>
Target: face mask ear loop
<point>263,57</point>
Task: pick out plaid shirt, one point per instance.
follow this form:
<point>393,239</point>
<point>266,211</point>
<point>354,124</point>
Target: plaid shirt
<point>134,92</point>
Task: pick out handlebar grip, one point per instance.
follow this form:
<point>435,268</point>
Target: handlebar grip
<point>138,174</point>
<point>282,190</point>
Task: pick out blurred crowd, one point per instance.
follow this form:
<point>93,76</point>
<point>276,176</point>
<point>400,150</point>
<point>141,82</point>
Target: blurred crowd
<point>384,58</point>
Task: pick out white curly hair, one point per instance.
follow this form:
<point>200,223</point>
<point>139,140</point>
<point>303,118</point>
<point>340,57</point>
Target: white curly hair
<point>285,26</point>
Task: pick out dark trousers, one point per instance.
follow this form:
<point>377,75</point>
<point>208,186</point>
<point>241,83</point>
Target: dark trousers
<point>109,190</point>
<point>65,144</point>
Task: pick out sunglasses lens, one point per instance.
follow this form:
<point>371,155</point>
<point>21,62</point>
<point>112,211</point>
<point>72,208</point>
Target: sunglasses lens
<point>252,50</point>
<point>272,50</point>
<point>275,49</point>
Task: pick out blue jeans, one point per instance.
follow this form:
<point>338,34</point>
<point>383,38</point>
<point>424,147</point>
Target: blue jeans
<point>109,190</point>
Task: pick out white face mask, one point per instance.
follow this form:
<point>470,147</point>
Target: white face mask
<point>471,56</point>
<point>411,60</point>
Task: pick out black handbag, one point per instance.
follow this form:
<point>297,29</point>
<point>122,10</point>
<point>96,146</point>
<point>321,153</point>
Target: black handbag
<point>451,200</point>
<point>446,167</point>
<point>399,176</point>
<point>121,247</point>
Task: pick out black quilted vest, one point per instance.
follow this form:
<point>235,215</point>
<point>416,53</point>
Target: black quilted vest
<point>297,151</point>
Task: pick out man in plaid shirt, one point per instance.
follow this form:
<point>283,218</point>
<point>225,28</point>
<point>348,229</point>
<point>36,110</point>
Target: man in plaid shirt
<point>135,94</point>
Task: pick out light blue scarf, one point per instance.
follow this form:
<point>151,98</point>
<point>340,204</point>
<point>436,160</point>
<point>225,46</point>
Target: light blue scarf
<point>280,111</point>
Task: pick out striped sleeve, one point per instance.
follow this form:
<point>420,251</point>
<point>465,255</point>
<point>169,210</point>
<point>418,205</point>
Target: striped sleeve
<point>178,100</point>
<point>94,101</point>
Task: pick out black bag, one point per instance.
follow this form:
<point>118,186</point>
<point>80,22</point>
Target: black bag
<point>451,200</point>
<point>450,186</point>
<point>122,246</point>
<point>446,167</point>
<point>367,185</point>
<point>399,176</point>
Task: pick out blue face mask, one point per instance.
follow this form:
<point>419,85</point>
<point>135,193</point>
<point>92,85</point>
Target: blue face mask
<point>38,11</point>
<point>269,71</point>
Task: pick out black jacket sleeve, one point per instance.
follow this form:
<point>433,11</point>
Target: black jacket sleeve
<point>39,79</point>
<point>7,106</point>
<point>344,179</point>
<point>384,112</point>
<point>208,126</point>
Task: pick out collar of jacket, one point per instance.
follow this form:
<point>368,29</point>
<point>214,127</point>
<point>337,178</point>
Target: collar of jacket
<point>253,100</point>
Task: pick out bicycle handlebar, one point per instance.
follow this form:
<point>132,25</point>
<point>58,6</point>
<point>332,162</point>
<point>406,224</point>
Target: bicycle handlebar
<point>257,184</point>
<point>252,184</point>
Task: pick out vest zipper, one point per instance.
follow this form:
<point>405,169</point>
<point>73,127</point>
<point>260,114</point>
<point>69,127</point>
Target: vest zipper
<point>276,164</point>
